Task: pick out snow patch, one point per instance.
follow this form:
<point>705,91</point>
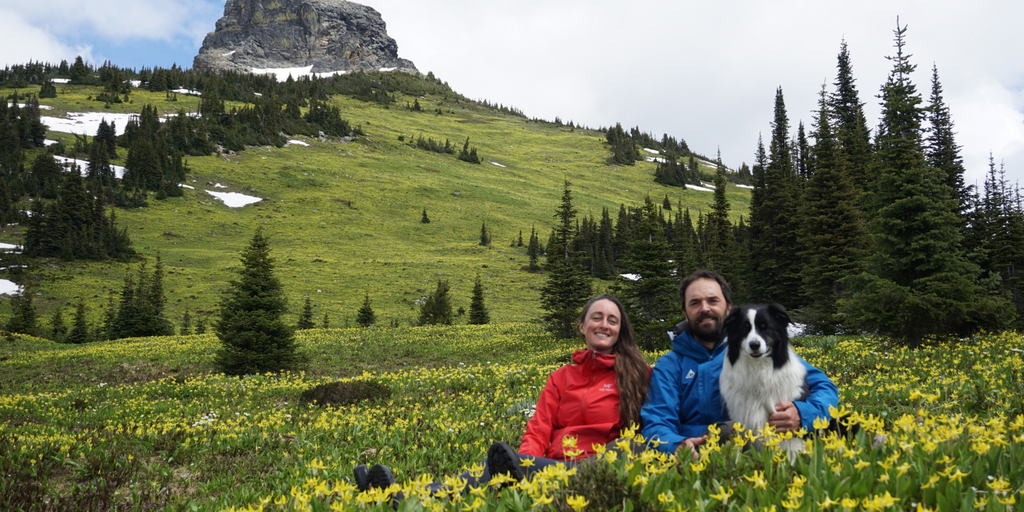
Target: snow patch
<point>190,187</point>
<point>86,123</point>
<point>744,186</point>
<point>655,159</point>
<point>135,83</point>
<point>218,185</point>
<point>387,70</point>
<point>655,151</point>
<point>9,288</point>
<point>796,330</point>
<point>84,165</point>
<point>234,199</point>
<point>41,107</point>
<point>698,189</point>
<point>631,277</point>
<point>8,247</point>
<point>187,91</point>
<point>499,165</point>
<point>299,142</point>
<point>228,54</point>
<point>48,142</point>
<point>61,80</point>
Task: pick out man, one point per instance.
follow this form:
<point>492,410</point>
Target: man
<point>684,398</point>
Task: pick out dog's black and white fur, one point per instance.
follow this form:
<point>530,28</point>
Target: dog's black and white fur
<point>760,368</point>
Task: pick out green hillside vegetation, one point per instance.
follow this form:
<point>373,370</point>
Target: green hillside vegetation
<point>343,217</point>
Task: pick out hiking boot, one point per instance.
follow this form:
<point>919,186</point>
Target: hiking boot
<point>362,477</point>
<point>501,459</point>
<point>380,477</point>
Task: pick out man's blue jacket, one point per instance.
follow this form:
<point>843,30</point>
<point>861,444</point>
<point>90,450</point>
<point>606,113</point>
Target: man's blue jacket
<point>684,398</point>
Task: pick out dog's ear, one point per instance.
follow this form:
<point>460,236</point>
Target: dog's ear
<point>779,315</point>
<point>730,321</point>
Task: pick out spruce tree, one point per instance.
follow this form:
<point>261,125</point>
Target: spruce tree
<point>23,316</point>
<point>485,235</point>
<point>186,324</point>
<point>832,230</point>
<point>567,286</point>
<point>917,285</point>
<point>327,322</point>
<point>850,125</point>
<point>365,317</point>
<point>58,329</point>
<point>478,314</point>
<point>774,261</point>
<point>651,299</point>
<point>437,308</point>
<point>306,317</point>
<point>533,250</point>
<point>425,219</point>
<point>942,151</point>
<point>79,332</point>
<point>720,254</point>
<point>254,338</point>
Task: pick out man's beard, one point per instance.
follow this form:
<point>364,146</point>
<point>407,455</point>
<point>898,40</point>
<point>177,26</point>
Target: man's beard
<point>712,335</point>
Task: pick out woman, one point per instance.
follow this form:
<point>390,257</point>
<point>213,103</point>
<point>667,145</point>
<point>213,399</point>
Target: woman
<point>590,400</point>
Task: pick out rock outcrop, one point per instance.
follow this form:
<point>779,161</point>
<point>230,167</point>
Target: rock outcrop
<point>329,35</point>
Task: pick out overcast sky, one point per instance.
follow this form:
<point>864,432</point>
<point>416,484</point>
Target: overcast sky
<point>704,71</point>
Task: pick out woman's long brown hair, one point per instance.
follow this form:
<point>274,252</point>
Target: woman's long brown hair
<point>631,371</point>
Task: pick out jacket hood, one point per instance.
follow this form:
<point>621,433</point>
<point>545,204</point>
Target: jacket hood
<point>687,346</point>
<point>599,360</point>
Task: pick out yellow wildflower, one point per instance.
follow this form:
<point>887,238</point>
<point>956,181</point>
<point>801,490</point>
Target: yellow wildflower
<point>577,502</point>
<point>723,495</point>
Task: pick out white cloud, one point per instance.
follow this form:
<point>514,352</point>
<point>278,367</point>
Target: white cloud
<point>21,42</point>
<point>123,20</point>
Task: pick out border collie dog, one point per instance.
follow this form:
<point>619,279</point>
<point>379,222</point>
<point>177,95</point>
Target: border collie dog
<point>760,368</point>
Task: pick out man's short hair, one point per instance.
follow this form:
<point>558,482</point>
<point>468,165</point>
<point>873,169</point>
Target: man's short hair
<point>705,274</point>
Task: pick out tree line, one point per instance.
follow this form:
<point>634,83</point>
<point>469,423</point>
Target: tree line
<point>850,230</point>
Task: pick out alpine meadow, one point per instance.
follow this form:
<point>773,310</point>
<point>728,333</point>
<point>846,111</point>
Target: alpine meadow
<point>233,289</point>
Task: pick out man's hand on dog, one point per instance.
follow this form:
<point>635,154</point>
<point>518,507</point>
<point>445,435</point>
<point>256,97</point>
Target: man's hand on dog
<point>690,445</point>
<point>786,418</point>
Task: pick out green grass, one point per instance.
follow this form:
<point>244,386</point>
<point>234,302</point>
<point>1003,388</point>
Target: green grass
<point>344,218</point>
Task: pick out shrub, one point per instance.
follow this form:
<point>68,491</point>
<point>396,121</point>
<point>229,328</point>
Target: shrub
<point>345,393</point>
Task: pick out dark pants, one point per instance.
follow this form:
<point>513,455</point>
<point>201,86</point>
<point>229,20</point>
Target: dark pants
<point>539,463</point>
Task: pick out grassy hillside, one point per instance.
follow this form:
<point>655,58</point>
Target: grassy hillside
<point>344,217</point>
<point>142,424</point>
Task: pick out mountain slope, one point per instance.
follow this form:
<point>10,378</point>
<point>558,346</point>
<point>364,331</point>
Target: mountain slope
<point>344,217</point>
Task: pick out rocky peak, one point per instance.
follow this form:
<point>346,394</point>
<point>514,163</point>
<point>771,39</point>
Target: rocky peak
<point>329,35</point>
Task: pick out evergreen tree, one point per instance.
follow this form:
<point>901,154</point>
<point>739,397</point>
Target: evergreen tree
<point>141,311</point>
<point>79,332</point>
<point>23,315</point>
<point>917,284</point>
<point>942,152</point>
<point>533,250</point>
<point>833,229</point>
<point>478,314</point>
<point>567,286</point>
<point>306,317</point>
<point>365,317</point>
<point>850,125</point>
<point>437,308</point>
<point>253,335</point>
<point>425,219</point>
<point>651,298</point>
<point>327,322</point>
<point>58,329</point>
<point>774,273</point>
<point>186,324</point>
<point>687,255</point>
<point>719,254</point>
<point>201,325</point>
<point>485,235</point>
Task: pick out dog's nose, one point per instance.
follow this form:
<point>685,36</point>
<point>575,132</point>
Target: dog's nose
<point>755,346</point>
